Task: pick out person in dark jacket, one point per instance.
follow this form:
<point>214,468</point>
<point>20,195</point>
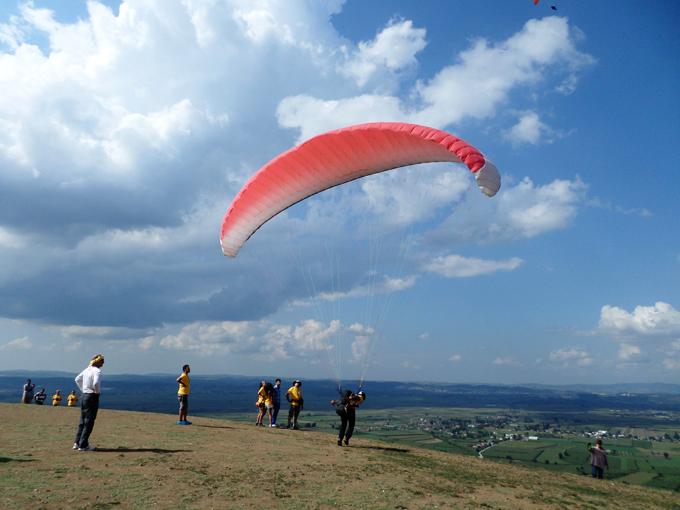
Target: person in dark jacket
<point>40,397</point>
<point>276,399</point>
<point>346,409</point>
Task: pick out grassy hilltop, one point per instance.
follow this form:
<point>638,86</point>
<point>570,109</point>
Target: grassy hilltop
<point>146,461</point>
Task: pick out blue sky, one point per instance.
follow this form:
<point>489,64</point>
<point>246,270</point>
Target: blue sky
<point>126,128</point>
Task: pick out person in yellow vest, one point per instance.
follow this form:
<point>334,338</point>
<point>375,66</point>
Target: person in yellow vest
<point>294,396</point>
<point>183,395</point>
<point>56,398</point>
<point>264,397</point>
<point>72,399</point>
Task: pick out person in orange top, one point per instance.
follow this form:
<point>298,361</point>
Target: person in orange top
<point>183,395</point>
<point>56,398</point>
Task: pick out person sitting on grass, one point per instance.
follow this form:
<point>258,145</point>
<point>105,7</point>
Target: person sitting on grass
<point>72,399</point>
<point>346,409</point>
<point>598,459</point>
<point>297,402</point>
<point>183,395</point>
<point>40,397</point>
<point>56,398</point>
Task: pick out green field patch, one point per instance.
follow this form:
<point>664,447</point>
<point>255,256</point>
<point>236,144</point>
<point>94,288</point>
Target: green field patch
<point>638,478</point>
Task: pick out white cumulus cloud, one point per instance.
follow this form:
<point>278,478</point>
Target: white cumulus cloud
<point>21,343</point>
<point>456,266</point>
<point>659,319</point>
<point>671,364</point>
<point>529,129</point>
<point>522,211</point>
<point>628,351</point>
<point>571,356</point>
<point>393,49</point>
<point>506,361</point>
<point>473,88</point>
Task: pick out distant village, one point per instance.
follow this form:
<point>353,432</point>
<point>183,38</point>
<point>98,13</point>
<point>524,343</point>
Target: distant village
<point>491,430</point>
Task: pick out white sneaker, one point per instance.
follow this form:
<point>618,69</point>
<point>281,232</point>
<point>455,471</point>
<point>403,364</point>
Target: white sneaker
<point>88,449</point>
<point>75,446</point>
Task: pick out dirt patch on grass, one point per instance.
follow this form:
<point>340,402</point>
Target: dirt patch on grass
<point>146,461</point>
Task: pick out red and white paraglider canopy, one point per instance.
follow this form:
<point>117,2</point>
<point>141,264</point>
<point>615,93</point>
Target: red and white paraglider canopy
<point>340,156</point>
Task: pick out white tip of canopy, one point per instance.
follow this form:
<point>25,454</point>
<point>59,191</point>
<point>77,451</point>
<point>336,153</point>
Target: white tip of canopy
<point>227,250</point>
<point>488,179</point>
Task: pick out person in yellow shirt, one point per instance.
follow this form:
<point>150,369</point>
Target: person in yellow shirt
<point>72,399</point>
<point>265,402</point>
<point>183,395</point>
<point>294,396</point>
<point>56,398</point>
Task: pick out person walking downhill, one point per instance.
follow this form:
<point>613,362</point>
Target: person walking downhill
<point>276,399</point>
<point>183,395</point>
<point>56,398</point>
<point>89,383</point>
<point>27,396</point>
<point>294,396</point>
<point>598,459</point>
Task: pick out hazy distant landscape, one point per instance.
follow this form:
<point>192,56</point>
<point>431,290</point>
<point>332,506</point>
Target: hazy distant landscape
<point>212,394</point>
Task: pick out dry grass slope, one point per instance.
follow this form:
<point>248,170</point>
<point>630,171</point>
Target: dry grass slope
<point>146,461</point>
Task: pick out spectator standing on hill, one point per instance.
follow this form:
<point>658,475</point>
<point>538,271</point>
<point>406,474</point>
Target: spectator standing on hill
<point>276,399</point>
<point>297,402</point>
<point>261,403</point>
<point>183,395</point>
<point>72,399</point>
<point>346,409</point>
<point>56,398</point>
<point>27,396</point>
<point>40,397</point>
<point>269,401</point>
<point>89,383</point>
<point>598,459</point>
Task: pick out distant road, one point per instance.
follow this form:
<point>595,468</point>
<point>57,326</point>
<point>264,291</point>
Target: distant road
<point>485,449</point>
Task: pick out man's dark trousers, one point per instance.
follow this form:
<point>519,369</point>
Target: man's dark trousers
<point>89,405</point>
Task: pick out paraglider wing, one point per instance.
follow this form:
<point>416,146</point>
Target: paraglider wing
<point>337,157</point>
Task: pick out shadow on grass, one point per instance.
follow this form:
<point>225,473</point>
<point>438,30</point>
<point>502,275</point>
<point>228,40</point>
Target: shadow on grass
<point>382,448</point>
<point>213,426</point>
<point>7,459</point>
<point>138,450</point>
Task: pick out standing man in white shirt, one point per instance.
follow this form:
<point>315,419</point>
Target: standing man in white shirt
<point>89,383</point>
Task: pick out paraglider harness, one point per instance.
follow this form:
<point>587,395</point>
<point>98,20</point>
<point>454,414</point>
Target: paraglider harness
<point>347,399</point>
